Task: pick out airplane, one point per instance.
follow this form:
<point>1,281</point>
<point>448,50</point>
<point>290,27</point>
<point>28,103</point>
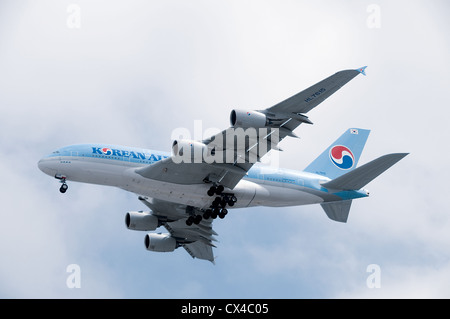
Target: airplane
<point>186,189</point>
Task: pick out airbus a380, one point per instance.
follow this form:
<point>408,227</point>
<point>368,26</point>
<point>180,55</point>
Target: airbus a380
<point>201,180</point>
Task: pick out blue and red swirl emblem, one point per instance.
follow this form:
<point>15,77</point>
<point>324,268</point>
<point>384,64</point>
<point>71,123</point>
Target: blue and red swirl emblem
<point>342,157</point>
<point>106,151</point>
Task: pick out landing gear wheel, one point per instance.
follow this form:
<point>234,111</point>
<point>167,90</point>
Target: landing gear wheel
<point>217,201</point>
<point>197,219</point>
<point>215,212</point>
<point>232,200</point>
<point>215,190</point>
<point>207,214</point>
<point>190,221</point>
<point>63,188</point>
<point>222,213</point>
<point>219,189</point>
<point>211,191</point>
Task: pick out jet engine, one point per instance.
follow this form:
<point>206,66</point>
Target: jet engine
<point>160,242</point>
<point>188,151</point>
<point>244,119</point>
<point>141,221</point>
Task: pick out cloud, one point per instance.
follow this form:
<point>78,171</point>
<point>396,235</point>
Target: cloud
<point>416,282</point>
<point>37,241</point>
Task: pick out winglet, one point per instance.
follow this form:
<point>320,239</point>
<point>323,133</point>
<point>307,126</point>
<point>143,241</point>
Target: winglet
<point>362,70</point>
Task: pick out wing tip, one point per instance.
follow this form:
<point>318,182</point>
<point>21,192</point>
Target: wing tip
<point>362,70</point>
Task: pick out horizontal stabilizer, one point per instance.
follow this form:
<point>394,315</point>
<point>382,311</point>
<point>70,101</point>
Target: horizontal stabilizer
<point>364,174</point>
<point>337,211</point>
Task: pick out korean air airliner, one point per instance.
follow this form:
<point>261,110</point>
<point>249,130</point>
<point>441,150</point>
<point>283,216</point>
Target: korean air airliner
<point>200,181</point>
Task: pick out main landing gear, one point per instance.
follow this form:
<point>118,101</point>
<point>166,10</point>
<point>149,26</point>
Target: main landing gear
<point>64,186</point>
<point>215,190</point>
<point>217,208</point>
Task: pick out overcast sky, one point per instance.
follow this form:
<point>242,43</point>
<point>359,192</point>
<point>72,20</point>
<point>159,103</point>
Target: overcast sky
<point>130,72</point>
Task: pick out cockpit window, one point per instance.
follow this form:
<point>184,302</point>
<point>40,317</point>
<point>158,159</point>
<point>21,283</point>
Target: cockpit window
<point>56,152</point>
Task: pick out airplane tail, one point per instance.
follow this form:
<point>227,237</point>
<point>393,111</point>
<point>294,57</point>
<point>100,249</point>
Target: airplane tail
<point>338,162</point>
<point>355,180</point>
<point>342,156</point>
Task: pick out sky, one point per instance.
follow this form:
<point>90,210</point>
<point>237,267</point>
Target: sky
<point>131,72</point>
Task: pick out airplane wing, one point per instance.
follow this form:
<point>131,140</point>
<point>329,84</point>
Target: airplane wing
<point>308,99</point>
<point>227,160</point>
<point>196,239</point>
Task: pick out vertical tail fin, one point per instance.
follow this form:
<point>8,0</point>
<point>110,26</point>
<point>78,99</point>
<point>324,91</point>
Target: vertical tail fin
<point>342,156</point>
<point>337,211</point>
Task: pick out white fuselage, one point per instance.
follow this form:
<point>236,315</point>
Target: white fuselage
<point>116,166</point>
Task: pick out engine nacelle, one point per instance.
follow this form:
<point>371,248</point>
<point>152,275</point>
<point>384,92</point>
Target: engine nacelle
<point>160,242</point>
<point>141,221</point>
<point>240,118</point>
<point>188,151</point>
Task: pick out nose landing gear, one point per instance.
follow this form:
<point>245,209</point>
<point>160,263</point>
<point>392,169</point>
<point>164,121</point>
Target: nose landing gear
<point>64,186</point>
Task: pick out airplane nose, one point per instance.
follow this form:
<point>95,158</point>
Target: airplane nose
<point>45,166</point>
<point>41,165</point>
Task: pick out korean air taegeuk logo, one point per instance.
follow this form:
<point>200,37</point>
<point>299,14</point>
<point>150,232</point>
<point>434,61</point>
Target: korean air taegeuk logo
<point>342,157</point>
<point>106,151</point>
